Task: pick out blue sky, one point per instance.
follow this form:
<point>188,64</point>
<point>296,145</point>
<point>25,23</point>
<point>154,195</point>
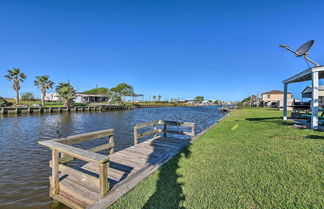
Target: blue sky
<point>220,49</point>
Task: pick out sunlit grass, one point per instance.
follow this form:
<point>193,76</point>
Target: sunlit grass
<point>252,159</point>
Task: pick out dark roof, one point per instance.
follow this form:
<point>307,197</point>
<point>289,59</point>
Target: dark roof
<point>275,92</point>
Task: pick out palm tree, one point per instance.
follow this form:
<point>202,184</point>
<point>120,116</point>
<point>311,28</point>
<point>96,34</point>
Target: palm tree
<point>44,83</point>
<point>66,92</point>
<point>16,76</point>
<point>154,98</point>
<point>159,98</point>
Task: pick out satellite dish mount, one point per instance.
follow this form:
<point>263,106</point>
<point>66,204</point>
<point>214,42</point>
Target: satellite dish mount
<point>302,51</point>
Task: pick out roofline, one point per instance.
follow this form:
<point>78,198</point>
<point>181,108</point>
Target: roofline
<point>293,79</point>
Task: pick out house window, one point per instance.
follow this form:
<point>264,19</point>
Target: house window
<point>268,96</point>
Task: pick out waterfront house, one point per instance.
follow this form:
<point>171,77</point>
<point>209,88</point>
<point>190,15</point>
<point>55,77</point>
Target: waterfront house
<point>90,98</point>
<point>79,98</point>
<point>52,97</point>
<point>275,98</point>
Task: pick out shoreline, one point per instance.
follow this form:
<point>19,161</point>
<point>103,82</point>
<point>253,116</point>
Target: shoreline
<point>101,108</point>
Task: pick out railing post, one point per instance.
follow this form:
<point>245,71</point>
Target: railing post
<point>104,186</point>
<point>135,135</point>
<point>111,141</point>
<point>55,172</point>
<point>155,130</point>
<point>193,130</point>
<point>165,129</point>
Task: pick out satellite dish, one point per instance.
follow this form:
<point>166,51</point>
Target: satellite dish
<point>302,51</point>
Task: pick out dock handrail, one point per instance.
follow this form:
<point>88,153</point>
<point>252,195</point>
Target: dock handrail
<point>155,130</point>
<point>69,152</point>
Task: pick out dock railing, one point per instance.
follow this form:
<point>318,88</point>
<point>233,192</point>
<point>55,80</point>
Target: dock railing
<point>164,130</point>
<point>62,152</point>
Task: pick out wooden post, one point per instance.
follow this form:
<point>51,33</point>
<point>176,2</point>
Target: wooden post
<point>55,172</point>
<point>135,136</point>
<point>164,128</point>
<point>111,141</point>
<point>155,129</point>
<point>285,101</point>
<point>314,121</point>
<point>103,179</point>
<point>193,130</point>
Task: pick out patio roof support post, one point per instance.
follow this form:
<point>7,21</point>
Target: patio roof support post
<point>285,101</point>
<point>314,122</point>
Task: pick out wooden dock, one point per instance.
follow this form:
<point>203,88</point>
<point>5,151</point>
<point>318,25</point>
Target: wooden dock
<point>104,178</point>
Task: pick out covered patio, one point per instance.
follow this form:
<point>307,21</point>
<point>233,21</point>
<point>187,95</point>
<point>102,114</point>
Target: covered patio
<point>313,74</point>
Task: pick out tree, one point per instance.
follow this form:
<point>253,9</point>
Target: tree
<point>154,98</point>
<point>17,77</point>
<point>122,89</point>
<point>199,98</point>
<point>66,92</point>
<point>27,96</point>
<point>43,83</point>
<point>98,91</point>
<point>159,98</point>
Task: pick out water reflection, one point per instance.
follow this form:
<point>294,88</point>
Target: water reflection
<point>24,167</point>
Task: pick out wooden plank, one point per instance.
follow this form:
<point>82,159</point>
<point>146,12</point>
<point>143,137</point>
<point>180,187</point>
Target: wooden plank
<point>112,173</point>
<point>75,152</point>
<point>67,201</point>
<point>111,141</point>
<point>180,132</point>
<point>83,177</point>
<point>135,136</point>
<point>101,147</point>
<point>77,193</point>
<point>146,134</point>
<point>177,123</point>
<point>85,137</point>
<point>142,125</point>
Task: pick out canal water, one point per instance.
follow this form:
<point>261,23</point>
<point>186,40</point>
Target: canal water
<point>24,167</point>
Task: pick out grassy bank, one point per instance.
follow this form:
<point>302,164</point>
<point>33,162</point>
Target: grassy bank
<point>252,159</point>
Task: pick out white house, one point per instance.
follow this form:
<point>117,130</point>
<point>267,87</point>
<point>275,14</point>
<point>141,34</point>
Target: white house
<point>52,97</point>
<point>79,98</point>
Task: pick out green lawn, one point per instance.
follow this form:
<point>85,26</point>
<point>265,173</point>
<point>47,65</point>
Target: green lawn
<point>252,159</point>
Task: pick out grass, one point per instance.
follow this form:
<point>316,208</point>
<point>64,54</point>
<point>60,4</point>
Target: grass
<point>252,159</point>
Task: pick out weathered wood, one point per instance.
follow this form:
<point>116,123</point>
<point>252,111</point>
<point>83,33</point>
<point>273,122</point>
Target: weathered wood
<point>155,130</point>
<point>75,152</point>
<point>85,137</point>
<point>146,134</point>
<point>103,179</point>
<point>135,136</point>
<point>111,150</point>
<point>176,123</point>
<point>83,177</point>
<point>55,172</point>
<point>102,147</point>
<point>143,125</point>
<point>179,132</point>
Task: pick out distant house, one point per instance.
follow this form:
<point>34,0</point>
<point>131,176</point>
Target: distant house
<point>79,98</point>
<point>90,98</point>
<point>275,98</point>
<point>307,93</point>
<point>52,97</point>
